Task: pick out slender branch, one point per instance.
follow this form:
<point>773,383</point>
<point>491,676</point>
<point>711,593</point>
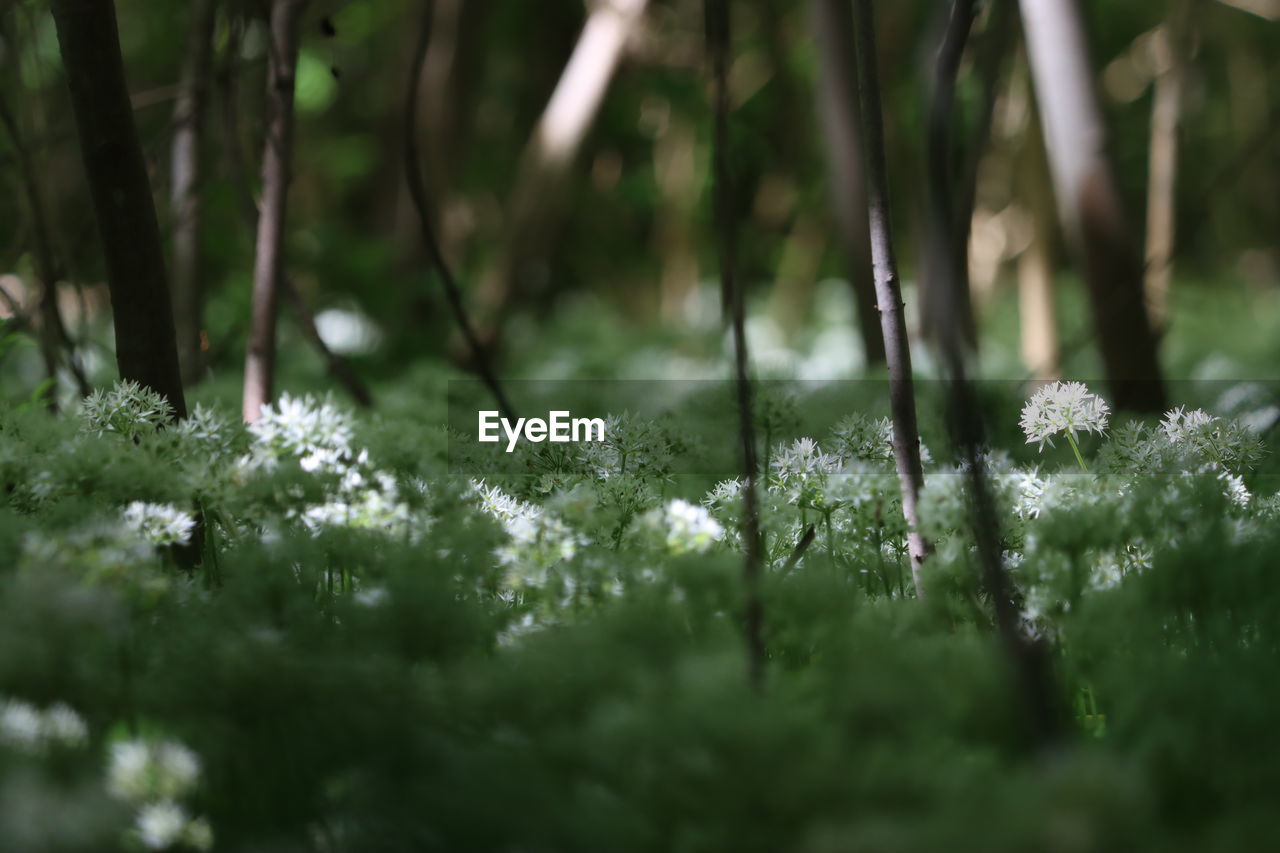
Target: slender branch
<point>418,195</point>
<point>53,337</point>
<point>277,156</point>
<point>186,171</point>
<point>906,434</point>
<point>718,41</point>
<point>1030,664</point>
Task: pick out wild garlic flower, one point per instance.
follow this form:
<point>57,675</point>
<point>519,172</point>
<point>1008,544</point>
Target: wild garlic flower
<point>25,727</point>
<point>144,771</point>
<point>128,409</point>
<point>164,824</point>
<point>159,524</point>
<point>317,433</point>
<point>686,528</point>
<point>1063,407</point>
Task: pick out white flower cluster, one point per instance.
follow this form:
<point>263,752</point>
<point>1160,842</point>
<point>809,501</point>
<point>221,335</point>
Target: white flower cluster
<point>25,727</point>
<point>1063,407</point>
<point>128,409</point>
<point>537,540</point>
<point>684,527</point>
<point>155,776</point>
<point>317,433</point>
<point>159,524</point>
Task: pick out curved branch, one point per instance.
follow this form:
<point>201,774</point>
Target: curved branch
<point>418,195</point>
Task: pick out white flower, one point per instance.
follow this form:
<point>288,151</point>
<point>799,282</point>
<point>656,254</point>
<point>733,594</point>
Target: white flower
<point>317,433</point>
<point>159,524</point>
<point>62,724</point>
<point>20,725</point>
<point>1063,407</point>
<point>141,770</point>
<point>24,726</point>
<point>688,528</point>
<point>161,824</point>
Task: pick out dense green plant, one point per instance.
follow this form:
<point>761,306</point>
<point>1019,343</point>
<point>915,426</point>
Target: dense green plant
<point>376,653</point>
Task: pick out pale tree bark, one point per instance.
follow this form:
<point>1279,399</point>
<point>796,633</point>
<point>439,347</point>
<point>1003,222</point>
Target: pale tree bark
<point>726,218</point>
<point>1089,203</point>
<point>1029,660</point>
<point>146,346</point>
<point>536,199</point>
<point>838,107</point>
<point>277,157</point>
<point>1171,59</point>
<point>338,367</point>
<point>1037,311</point>
<point>186,170</point>
<point>906,433</point>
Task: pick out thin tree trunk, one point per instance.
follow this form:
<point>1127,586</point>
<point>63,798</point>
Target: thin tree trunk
<point>186,170</point>
<point>338,368</point>
<point>534,207</point>
<point>906,433</point>
<point>1089,202</point>
<point>1037,312</point>
<point>718,45</point>
<point>1029,661</point>
<point>1162,168</point>
<point>146,346</point>
<point>277,156</point>
<point>838,107</point>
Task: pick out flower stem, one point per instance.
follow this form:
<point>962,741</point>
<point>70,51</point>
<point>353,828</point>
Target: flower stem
<point>1071,439</point>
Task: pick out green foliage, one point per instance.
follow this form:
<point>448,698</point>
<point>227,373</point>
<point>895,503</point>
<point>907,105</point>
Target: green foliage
<point>375,654</point>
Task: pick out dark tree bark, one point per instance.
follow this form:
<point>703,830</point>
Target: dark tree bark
<point>277,159</point>
<point>1029,661</point>
<point>1089,202</point>
<point>838,107</point>
<point>186,171</point>
<point>718,42</point>
<point>146,346</point>
<point>906,433</point>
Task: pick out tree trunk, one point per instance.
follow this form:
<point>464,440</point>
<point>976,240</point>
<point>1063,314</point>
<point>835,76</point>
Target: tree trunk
<point>534,207</point>
<point>1089,202</point>
<point>1162,169</point>
<point>838,108</point>
<point>185,169</point>
<point>726,219</point>
<point>906,434</point>
<point>146,346</point>
<point>1029,661</point>
<point>1037,312</point>
<point>277,156</point>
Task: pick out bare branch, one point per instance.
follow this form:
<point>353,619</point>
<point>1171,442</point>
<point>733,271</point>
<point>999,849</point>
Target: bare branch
<point>718,41</point>
<point>418,194</point>
<point>906,433</point>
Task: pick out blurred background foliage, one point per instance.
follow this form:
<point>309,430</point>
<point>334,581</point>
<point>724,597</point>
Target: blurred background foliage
<point>619,281</point>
